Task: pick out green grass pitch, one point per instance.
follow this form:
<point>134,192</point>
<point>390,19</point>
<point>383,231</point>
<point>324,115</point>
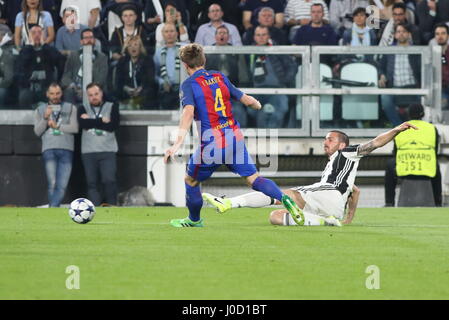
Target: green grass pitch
<point>133,253</point>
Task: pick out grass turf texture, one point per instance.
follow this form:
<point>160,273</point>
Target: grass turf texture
<point>133,253</point>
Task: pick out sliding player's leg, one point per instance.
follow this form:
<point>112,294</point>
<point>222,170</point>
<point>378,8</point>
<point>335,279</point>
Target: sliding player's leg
<point>283,218</point>
<point>249,200</point>
<point>239,161</point>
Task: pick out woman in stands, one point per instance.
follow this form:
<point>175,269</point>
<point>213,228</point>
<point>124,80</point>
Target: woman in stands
<point>32,14</point>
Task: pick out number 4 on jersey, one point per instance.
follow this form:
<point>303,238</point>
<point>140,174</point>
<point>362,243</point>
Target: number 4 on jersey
<point>219,103</point>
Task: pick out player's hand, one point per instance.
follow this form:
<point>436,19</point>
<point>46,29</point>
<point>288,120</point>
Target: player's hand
<point>170,153</point>
<point>405,126</point>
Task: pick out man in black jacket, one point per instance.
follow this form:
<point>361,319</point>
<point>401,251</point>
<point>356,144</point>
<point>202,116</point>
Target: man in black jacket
<point>38,65</point>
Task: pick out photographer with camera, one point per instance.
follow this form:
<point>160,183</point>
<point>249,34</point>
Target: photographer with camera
<point>56,123</point>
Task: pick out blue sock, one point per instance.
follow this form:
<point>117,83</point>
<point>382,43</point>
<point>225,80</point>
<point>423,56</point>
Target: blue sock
<point>268,187</point>
<point>194,202</point>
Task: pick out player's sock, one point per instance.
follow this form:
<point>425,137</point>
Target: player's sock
<point>252,200</point>
<point>268,187</point>
<point>194,202</point>
<point>309,220</point>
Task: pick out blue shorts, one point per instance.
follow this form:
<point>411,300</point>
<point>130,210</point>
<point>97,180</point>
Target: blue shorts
<point>209,157</point>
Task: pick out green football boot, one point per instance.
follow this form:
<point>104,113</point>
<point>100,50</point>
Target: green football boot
<point>186,222</point>
<point>221,204</point>
<point>293,209</point>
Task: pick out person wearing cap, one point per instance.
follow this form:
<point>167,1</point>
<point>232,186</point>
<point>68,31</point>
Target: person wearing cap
<point>415,156</point>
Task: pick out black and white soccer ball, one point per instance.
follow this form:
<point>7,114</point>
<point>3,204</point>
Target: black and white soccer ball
<point>82,210</point>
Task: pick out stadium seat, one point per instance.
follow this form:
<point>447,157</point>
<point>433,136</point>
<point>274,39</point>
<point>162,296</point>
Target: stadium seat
<point>359,107</point>
<point>326,101</point>
<point>409,197</point>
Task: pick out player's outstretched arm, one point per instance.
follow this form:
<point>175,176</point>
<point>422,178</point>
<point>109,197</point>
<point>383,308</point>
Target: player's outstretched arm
<point>250,102</point>
<point>352,205</point>
<point>184,126</point>
<point>383,139</point>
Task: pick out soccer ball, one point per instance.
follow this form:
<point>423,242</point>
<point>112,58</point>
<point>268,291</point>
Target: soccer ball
<point>82,210</point>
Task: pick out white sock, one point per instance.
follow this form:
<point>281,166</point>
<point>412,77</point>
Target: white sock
<point>310,220</point>
<point>252,200</point>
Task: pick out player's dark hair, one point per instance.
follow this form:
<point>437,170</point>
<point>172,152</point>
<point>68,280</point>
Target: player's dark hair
<point>193,55</point>
<point>343,137</point>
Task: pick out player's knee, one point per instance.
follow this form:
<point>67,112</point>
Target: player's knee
<point>277,217</point>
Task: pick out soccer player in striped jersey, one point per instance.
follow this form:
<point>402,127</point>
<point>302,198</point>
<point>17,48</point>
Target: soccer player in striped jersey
<point>206,97</point>
<point>322,203</point>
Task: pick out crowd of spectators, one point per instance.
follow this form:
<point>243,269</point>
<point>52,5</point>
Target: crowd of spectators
<point>135,44</point>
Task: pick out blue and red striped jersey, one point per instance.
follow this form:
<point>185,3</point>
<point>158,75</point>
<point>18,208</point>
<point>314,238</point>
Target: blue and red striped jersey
<point>210,93</point>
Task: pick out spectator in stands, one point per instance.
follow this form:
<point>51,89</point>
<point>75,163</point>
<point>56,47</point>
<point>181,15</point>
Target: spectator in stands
<point>172,16</point>
<point>111,15</point>
<point>13,7</point>
<point>442,38</point>
<point>39,64</point>
<point>430,13</point>
<point>68,36</point>
<point>206,32</point>
<point>386,13</point>
<point>265,18</point>
<point>3,12</point>
<point>270,71</point>
<point>55,122</point>
<point>6,63</point>
<point>154,12</point>
<point>99,119</point>
<point>72,80</point>
<point>199,10</point>
<point>341,13</point>
<point>252,7</point>
<point>33,14</point>
<point>88,11</point>
<point>408,147</point>
<point>317,32</point>
<point>298,13</point>
<point>167,66</point>
<point>135,82</point>
<point>359,34</point>
<point>399,71</point>
<point>233,66</point>
<point>399,16</point>
<point>131,27</point>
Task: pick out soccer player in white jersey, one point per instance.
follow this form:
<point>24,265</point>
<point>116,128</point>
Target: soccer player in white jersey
<point>322,203</point>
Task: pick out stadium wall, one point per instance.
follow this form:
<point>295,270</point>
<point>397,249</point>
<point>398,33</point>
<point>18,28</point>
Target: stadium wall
<point>22,175</point>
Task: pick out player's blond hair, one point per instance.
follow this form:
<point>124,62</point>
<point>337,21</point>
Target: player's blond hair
<point>193,55</point>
